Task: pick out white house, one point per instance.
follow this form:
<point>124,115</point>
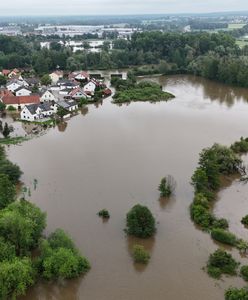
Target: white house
<point>47,96</point>
<point>90,87</point>
<point>81,76</point>
<point>56,76</point>
<point>23,91</point>
<point>38,111</point>
<point>69,105</point>
<point>14,85</point>
<point>77,94</point>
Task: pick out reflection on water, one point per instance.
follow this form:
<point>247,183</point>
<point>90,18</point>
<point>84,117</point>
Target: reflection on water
<point>211,90</point>
<point>62,126</point>
<point>115,158</point>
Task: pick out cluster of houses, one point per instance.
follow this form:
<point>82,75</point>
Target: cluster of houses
<point>36,102</point>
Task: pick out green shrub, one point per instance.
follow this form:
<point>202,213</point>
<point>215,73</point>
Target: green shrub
<point>201,216</point>
<point>104,214</point>
<point>59,239</point>
<point>15,277</point>
<point>60,259</point>
<point>214,272</point>
<point>201,199</point>
<point>223,236</point>
<point>22,224</point>
<point>220,262</point>
<point>11,170</point>
<point>236,294</point>
<point>7,250</point>
<point>166,186</point>
<point>140,222</point>
<point>7,191</point>
<point>244,220</point>
<point>11,108</point>
<point>240,146</point>
<point>140,255</point>
<point>220,223</point>
<point>244,272</point>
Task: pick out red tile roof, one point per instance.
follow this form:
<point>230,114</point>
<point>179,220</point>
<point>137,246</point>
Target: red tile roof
<point>21,99</point>
<point>5,72</point>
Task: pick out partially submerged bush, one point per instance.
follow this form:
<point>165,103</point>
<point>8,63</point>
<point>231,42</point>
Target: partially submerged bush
<point>140,255</point>
<point>167,186</point>
<point>240,146</point>
<point>15,277</point>
<point>104,214</point>
<point>220,262</point>
<point>223,236</point>
<point>244,272</point>
<point>244,220</point>
<point>60,259</point>
<point>140,222</point>
<point>236,294</point>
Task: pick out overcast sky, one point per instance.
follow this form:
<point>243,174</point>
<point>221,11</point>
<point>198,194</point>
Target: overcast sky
<point>93,7</point>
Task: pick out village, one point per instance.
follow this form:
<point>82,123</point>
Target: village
<point>55,95</point>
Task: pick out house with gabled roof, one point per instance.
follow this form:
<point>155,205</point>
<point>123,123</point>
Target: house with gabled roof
<point>77,94</point>
<point>79,75</point>
<point>23,91</point>
<point>34,112</point>
<point>47,96</point>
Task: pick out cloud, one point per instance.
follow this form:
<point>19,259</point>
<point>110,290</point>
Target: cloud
<point>92,7</point>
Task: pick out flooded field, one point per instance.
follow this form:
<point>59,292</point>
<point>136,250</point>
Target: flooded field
<point>113,157</point>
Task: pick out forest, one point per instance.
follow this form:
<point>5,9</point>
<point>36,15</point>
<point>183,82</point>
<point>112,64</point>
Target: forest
<point>215,56</point>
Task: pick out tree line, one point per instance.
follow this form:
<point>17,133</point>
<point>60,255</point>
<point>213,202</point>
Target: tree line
<point>212,55</point>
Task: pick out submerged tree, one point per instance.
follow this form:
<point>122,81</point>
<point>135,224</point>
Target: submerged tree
<point>140,222</point>
<point>140,255</point>
<point>167,186</point>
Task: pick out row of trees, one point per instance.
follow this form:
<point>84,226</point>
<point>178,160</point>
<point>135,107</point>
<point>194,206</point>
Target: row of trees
<point>214,56</point>
<point>21,231</point>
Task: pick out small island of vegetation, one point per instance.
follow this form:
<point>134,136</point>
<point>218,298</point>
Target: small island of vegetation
<point>220,262</point>
<point>166,186</point>
<point>129,90</point>
<point>140,255</point>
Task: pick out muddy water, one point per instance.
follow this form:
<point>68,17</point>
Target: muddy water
<point>114,157</point>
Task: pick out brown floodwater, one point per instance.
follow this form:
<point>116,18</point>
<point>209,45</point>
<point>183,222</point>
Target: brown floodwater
<point>113,157</point>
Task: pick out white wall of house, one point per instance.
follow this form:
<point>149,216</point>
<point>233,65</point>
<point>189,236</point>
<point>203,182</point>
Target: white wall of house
<point>74,107</point>
<point>47,97</point>
<point>23,92</point>
<point>89,87</point>
<point>27,116</point>
<point>55,77</point>
<point>79,95</point>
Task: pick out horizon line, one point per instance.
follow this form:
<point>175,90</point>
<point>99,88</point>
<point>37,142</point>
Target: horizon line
<point>131,14</point>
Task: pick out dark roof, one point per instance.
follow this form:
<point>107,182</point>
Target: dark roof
<point>67,103</point>
<point>33,107</point>
<point>22,87</point>
<point>32,80</point>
